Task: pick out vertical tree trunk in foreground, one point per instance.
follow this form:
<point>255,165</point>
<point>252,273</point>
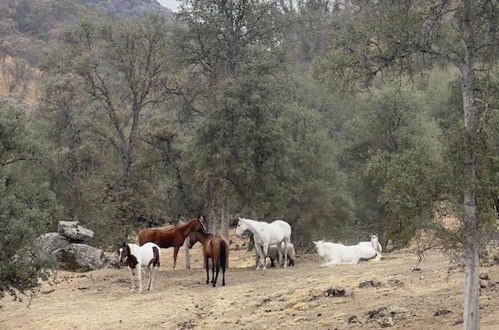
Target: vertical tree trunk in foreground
<point>472,244</point>
<point>187,254</point>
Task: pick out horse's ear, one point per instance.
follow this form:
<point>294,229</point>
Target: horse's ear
<point>239,218</point>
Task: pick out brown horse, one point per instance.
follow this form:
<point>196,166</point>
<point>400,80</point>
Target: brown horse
<point>214,247</point>
<point>172,237</point>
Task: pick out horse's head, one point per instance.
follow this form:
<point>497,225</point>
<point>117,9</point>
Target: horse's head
<point>320,247</point>
<point>198,224</point>
<point>124,252</point>
<point>241,227</point>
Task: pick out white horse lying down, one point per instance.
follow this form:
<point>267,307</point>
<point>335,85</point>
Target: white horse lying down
<point>136,257</point>
<point>376,246</point>
<point>273,254</point>
<point>266,234</point>
<point>335,254</point>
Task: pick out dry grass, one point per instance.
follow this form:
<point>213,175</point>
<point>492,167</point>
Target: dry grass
<point>291,298</point>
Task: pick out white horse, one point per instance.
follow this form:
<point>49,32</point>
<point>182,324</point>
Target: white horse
<point>136,257</point>
<point>266,234</point>
<point>376,246</point>
<point>335,254</point>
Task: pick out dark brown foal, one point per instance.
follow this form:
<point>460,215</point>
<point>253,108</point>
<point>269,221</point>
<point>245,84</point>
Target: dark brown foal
<point>214,247</point>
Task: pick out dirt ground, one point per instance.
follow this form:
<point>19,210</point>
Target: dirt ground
<point>291,298</point>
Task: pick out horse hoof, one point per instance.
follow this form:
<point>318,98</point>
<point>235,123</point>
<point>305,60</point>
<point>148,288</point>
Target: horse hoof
<point>214,285</point>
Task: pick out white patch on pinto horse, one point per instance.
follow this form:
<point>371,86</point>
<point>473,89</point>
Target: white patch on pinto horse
<point>136,257</point>
<point>266,234</point>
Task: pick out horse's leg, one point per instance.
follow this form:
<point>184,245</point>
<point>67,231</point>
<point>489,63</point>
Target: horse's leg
<point>257,258</point>
<point>150,269</point>
<point>260,252</point>
<point>286,257</point>
<point>279,254</point>
<point>175,252</point>
<point>332,262</point>
<point>132,277</point>
<point>223,271</point>
<point>265,251</point>
<point>217,262</point>
<point>207,264</point>
<point>212,270</point>
<point>139,273</point>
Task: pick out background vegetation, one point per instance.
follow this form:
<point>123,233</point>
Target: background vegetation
<point>264,109</point>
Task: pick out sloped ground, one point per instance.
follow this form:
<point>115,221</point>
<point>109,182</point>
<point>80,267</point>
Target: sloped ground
<point>291,298</point>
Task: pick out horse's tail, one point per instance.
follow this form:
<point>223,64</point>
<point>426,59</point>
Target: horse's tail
<point>223,259</point>
<point>155,260</point>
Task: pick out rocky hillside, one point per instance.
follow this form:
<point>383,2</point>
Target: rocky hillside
<point>27,27</point>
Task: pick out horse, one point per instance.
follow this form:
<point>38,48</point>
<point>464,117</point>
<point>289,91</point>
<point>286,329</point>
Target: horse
<point>376,246</point>
<point>172,237</point>
<point>136,257</point>
<point>214,247</point>
<point>266,234</point>
<point>335,254</point>
<point>273,254</point>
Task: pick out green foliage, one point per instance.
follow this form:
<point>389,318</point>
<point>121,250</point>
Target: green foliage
<point>391,149</point>
<point>27,205</point>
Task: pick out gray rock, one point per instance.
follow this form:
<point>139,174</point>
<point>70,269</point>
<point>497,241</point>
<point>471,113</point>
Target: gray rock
<point>80,257</point>
<point>48,243</point>
<point>112,260</point>
<point>74,231</point>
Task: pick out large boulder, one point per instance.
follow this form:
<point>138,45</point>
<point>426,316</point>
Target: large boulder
<point>80,257</point>
<point>74,231</point>
<point>48,243</point>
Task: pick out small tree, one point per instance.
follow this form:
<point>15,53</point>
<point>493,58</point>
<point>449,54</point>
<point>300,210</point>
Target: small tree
<point>27,205</point>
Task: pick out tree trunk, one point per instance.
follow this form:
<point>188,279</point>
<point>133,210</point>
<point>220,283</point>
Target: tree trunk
<point>211,227</point>
<point>472,244</point>
<point>187,254</point>
<point>224,227</point>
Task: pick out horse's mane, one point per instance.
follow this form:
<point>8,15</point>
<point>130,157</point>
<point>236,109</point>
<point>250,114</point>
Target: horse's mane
<point>202,232</point>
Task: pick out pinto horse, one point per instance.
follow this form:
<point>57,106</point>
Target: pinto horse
<point>214,247</point>
<point>136,257</point>
<point>172,237</point>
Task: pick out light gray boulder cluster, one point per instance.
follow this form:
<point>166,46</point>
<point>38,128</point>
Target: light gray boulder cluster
<point>68,247</point>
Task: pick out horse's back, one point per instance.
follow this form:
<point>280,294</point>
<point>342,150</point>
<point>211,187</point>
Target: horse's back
<point>149,252</point>
<point>279,231</point>
<point>146,235</point>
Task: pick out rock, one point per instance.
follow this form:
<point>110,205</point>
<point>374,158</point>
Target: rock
<point>74,231</point>
<point>335,292</point>
<point>48,243</point>
<point>371,283</point>
<point>442,312</point>
<point>484,276</point>
<point>396,283</point>
<point>353,319</point>
<point>378,313</point>
<point>387,322</point>
<point>80,257</point>
<point>112,260</point>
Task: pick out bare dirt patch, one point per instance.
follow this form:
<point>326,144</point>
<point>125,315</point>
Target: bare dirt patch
<point>291,298</point>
